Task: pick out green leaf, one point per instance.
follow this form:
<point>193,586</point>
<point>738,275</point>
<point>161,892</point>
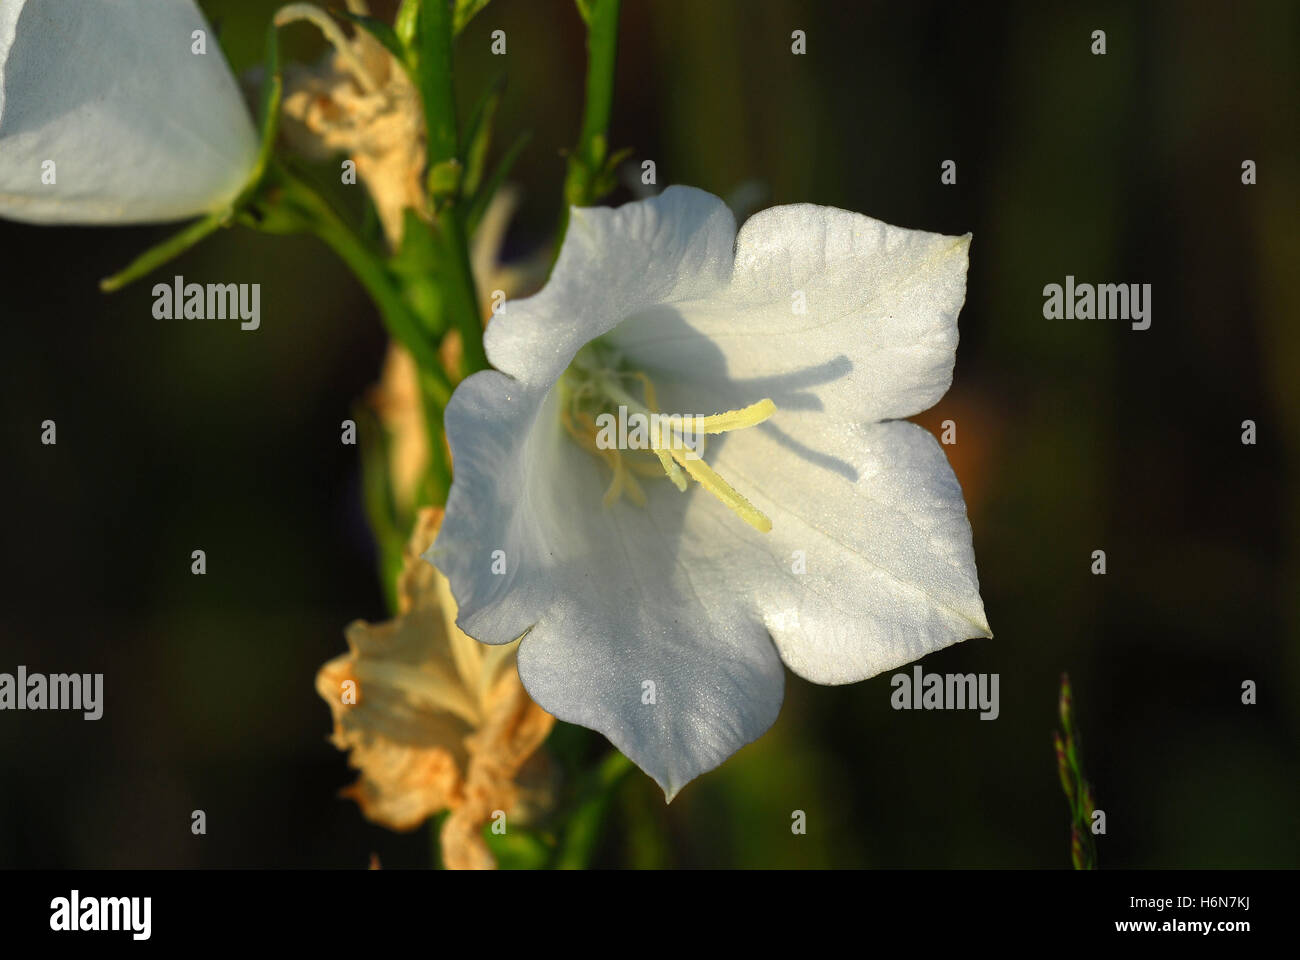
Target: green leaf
<point>584,10</point>
<point>476,138</point>
<point>479,204</point>
<point>381,31</point>
<point>156,256</point>
<point>407,22</point>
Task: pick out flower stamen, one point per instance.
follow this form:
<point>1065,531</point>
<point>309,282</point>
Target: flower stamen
<point>595,385</point>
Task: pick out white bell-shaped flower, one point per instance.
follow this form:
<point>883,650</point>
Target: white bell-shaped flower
<point>659,581</point>
<point>110,114</point>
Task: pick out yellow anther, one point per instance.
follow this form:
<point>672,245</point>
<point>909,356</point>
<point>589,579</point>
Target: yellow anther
<point>597,387</point>
<point>748,416</point>
<point>710,481</point>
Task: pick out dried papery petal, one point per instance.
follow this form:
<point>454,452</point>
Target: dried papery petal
<point>436,721</point>
<point>360,102</point>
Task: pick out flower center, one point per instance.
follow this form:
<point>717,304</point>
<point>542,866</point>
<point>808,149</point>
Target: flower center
<point>635,439</point>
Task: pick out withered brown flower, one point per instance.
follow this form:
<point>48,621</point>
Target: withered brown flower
<point>361,102</point>
<point>435,720</point>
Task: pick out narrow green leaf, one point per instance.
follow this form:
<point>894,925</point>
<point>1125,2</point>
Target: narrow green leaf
<point>476,138</point>
<point>407,22</point>
<point>156,256</point>
<point>479,204</point>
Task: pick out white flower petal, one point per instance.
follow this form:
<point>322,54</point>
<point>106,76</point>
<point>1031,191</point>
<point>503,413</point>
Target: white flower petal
<point>139,127</point>
<point>878,339</point>
<point>609,605</point>
<point>500,511</point>
<point>878,519</point>
<point>614,263</point>
<point>678,678</point>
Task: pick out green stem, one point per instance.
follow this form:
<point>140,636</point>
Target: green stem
<point>602,55</point>
<point>402,324</point>
<point>156,256</point>
<point>438,91</point>
<point>463,294</point>
<point>587,162</point>
<point>437,85</point>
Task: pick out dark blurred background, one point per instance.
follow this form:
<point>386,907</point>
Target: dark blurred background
<point>1073,436</point>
